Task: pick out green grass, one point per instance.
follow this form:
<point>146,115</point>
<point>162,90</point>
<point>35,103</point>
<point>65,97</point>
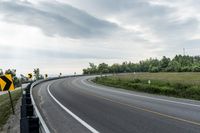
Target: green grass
<point>184,85</point>
<point>5,107</point>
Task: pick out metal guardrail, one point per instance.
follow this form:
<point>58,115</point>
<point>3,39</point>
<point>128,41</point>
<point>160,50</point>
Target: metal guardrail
<point>29,123</point>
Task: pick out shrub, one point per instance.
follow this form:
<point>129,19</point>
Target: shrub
<point>196,69</point>
<point>154,69</point>
<point>180,86</point>
<point>193,92</point>
<point>136,81</point>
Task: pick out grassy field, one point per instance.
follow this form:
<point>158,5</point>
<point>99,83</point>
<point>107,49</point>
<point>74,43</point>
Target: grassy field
<point>5,107</point>
<point>184,85</point>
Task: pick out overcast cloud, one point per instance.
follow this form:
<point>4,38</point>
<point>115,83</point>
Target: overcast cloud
<point>73,33</point>
<point>56,19</point>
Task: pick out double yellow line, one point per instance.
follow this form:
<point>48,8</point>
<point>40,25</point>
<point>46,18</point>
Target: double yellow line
<point>147,110</point>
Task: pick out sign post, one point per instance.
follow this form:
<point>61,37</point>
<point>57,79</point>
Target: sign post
<point>6,84</point>
<point>149,82</point>
<point>11,102</point>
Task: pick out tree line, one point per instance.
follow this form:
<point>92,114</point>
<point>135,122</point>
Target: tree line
<point>179,63</point>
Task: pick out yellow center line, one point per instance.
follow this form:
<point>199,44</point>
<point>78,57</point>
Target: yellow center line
<point>147,110</point>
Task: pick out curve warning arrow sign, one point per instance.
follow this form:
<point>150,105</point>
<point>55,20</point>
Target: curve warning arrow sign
<point>6,83</point>
<point>30,75</point>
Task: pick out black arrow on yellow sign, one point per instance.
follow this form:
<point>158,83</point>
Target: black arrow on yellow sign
<point>30,75</point>
<point>8,83</point>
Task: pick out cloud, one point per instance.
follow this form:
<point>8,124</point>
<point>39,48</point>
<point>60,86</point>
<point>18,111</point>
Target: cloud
<point>162,19</point>
<point>56,19</point>
<point>38,53</point>
<point>96,31</point>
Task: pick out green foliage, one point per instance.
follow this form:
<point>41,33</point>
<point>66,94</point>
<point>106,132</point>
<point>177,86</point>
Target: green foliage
<point>164,63</point>
<point>178,64</point>
<point>5,107</point>
<point>196,68</point>
<point>103,68</point>
<point>136,81</point>
<point>37,74</point>
<point>163,85</point>
<point>154,69</point>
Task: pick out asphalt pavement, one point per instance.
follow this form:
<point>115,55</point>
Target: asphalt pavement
<point>76,105</point>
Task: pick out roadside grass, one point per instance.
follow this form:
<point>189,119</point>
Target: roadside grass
<point>183,85</point>
<point>5,107</point>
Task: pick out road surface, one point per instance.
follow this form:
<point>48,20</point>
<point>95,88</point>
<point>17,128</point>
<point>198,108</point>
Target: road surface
<point>76,105</point>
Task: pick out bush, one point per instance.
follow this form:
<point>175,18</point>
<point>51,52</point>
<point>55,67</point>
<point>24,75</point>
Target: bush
<point>193,93</point>
<point>136,81</point>
<point>196,69</point>
<point>168,91</point>
<point>180,86</point>
<point>154,69</point>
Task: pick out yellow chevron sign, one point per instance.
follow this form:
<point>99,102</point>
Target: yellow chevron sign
<point>6,83</point>
<point>30,75</point>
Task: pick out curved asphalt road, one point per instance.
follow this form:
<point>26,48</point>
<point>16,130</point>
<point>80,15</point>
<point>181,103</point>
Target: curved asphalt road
<point>111,110</point>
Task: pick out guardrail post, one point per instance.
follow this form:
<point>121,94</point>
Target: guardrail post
<point>26,110</point>
<point>29,125</point>
<point>26,100</point>
<point>28,122</point>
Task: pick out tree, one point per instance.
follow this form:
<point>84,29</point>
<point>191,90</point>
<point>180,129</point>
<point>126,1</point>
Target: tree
<point>154,69</point>
<point>144,66</point>
<point>174,66</point>
<point>164,63</point>
<point>23,78</point>
<point>103,68</point>
<point>85,71</point>
<point>196,68</point>
<point>154,65</point>
<point>115,68</point>
<point>37,74</point>
<point>125,67</point>
<point>93,68</point>
<point>178,64</point>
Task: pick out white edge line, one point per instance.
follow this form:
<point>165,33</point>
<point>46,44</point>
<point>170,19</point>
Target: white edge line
<point>46,129</point>
<point>72,114</point>
<point>157,99</point>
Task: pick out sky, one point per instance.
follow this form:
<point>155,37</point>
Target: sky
<point>65,35</point>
